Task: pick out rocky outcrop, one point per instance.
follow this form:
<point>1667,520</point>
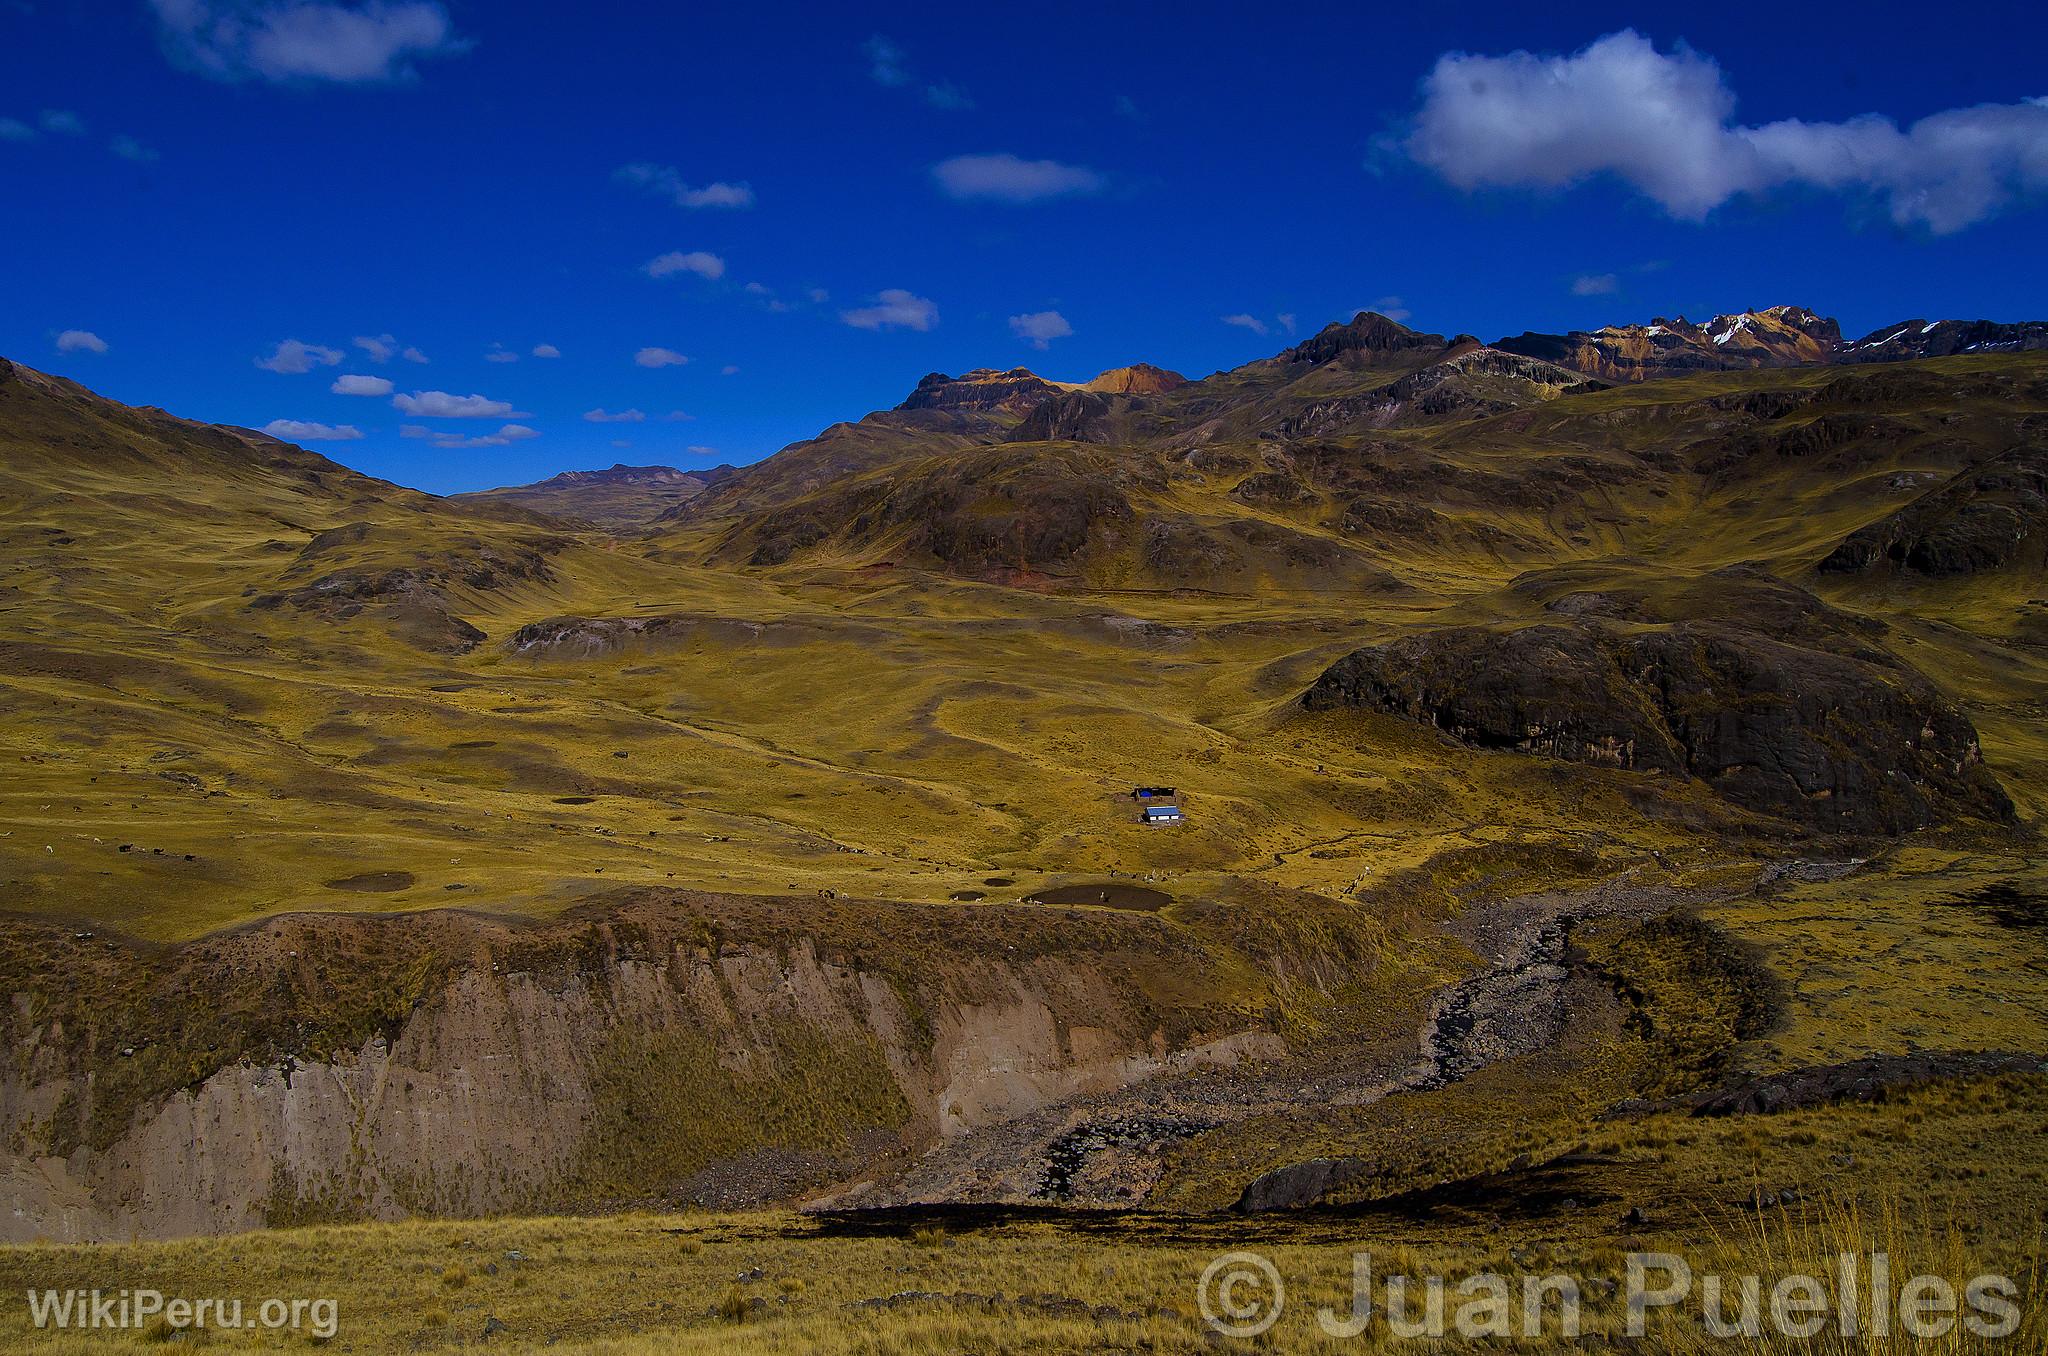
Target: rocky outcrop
<point>1480,381</point>
<point>1076,417</point>
<point>1811,724</point>
<point>1990,517</point>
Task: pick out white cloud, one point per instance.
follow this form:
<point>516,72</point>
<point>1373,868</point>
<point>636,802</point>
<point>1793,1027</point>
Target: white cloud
<point>1004,177</point>
<point>659,357</point>
<point>293,357</point>
<point>622,443</point>
<point>759,289</point>
<point>509,433</point>
<point>128,148</point>
<point>700,262</point>
<point>80,341</point>
<point>948,96</point>
<point>663,181</point>
<point>603,416</point>
<point>1661,123</point>
<point>442,405</point>
<point>500,354</point>
<point>350,384</point>
<point>700,450</point>
<point>1040,328</point>
<point>301,431</point>
<point>380,347</point>
<point>413,355</point>
<point>894,309</point>
<point>1393,308</point>
<point>546,351</point>
<point>1249,322</point>
<point>1286,319</point>
<point>368,41</point>
<point>1595,285</point>
<point>678,417</point>
<point>63,122</point>
<point>414,431</point>
<point>14,129</point>
<point>729,370</point>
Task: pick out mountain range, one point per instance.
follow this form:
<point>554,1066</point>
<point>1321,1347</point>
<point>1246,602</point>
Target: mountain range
<point>1629,713</point>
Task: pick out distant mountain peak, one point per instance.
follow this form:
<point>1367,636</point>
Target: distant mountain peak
<point>1137,379</point>
<point>1018,390</point>
<point>1366,332</point>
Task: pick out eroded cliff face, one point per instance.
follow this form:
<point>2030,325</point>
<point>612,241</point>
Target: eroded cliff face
<point>636,1057</point>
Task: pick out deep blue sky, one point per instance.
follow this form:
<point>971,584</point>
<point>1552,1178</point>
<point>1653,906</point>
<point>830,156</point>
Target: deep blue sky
<point>1240,168</point>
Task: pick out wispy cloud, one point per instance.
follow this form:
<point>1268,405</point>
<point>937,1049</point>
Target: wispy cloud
<point>1002,177</point>
<point>666,182</point>
<point>80,341</point>
<point>889,66</point>
<point>604,416</point>
<point>1245,321</point>
<point>894,309</point>
<point>413,355</point>
<point>128,148</point>
<point>442,405</point>
<point>292,357</point>
<point>63,122</point>
<point>305,431</point>
<point>355,385</point>
<point>1595,285</point>
<point>305,41</point>
<point>1040,328</point>
<point>546,351</point>
<point>14,129</point>
<point>700,262</point>
<point>500,354</point>
<point>659,357</point>
<point>1662,124</point>
<point>510,433</point>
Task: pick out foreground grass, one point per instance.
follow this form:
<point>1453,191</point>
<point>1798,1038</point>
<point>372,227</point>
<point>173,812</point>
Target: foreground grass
<point>1945,1180</point>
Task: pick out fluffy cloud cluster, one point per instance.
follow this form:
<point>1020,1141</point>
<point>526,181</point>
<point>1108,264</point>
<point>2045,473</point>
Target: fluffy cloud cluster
<point>442,405</point>
<point>382,347</point>
<point>1002,177</point>
<point>352,384</point>
<point>302,40</point>
<point>292,357</point>
<point>663,181</point>
<point>601,415</point>
<point>80,341</point>
<point>894,309</point>
<point>659,357</point>
<point>700,262</point>
<point>1662,123</point>
<point>304,431</point>
<point>1040,328</point>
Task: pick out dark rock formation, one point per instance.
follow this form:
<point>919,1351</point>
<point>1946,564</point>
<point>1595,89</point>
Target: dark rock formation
<point>1985,518</point>
<point>1813,724</point>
